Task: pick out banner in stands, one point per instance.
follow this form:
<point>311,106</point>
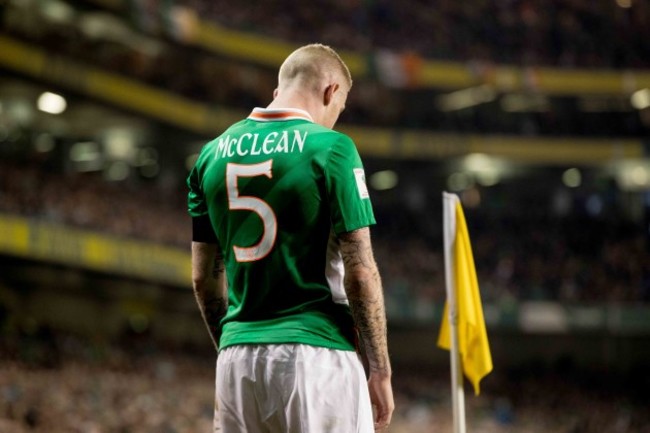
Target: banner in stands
<point>90,250</point>
<point>379,142</point>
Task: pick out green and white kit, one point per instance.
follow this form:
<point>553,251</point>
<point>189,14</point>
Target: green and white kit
<point>278,188</point>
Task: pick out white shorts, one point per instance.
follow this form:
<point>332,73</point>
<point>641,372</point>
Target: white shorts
<point>291,388</point>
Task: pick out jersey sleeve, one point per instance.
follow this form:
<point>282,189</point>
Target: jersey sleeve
<point>196,204</point>
<point>350,206</point>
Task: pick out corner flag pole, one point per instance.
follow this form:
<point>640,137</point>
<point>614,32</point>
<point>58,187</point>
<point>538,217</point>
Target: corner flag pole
<point>457,391</point>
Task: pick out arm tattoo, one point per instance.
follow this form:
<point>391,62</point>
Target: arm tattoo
<point>364,290</point>
<point>210,291</point>
<point>218,269</point>
<point>213,310</point>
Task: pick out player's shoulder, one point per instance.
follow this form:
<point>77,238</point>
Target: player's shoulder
<point>344,143</point>
<point>330,136</point>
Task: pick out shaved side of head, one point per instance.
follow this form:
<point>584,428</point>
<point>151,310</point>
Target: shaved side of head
<point>312,66</point>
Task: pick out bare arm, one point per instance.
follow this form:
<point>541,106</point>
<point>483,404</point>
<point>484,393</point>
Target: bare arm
<point>209,284</point>
<point>365,294</point>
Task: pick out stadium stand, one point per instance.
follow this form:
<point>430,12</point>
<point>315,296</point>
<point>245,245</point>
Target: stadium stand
<point>582,250</point>
<point>536,258</point>
<point>164,61</point>
<point>139,388</point>
<point>594,34</point>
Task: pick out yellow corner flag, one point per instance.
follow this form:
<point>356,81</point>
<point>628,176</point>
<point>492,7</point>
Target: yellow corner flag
<point>473,345</point>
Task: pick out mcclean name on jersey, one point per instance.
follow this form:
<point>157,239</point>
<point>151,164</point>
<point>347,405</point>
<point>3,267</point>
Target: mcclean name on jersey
<point>252,144</point>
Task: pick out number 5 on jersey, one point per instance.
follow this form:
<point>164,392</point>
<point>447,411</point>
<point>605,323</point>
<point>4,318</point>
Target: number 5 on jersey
<point>253,204</point>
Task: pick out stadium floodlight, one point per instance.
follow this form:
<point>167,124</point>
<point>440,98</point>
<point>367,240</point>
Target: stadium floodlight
<point>641,99</point>
<point>120,143</point>
<point>572,177</point>
<point>51,103</point>
<point>486,169</point>
<point>477,162</point>
<point>631,174</point>
<point>85,151</point>
<point>58,12</point>
<point>640,176</point>
<point>384,180</point>
<point>86,156</point>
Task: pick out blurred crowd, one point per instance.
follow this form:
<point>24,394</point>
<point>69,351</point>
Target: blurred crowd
<point>86,200</point>
<point>525,261</point>
<point>72,384</point>
<point>571,33</point>
<point>576,259</point>
<point>524,32</point>
<point>56,383</point>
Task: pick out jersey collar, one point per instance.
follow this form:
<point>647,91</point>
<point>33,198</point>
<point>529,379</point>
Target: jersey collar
<point>278,114</point>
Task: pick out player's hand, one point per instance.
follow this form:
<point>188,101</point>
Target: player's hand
<point>381,397</point>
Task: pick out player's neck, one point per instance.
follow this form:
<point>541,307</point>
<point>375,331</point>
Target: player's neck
<point>296,100</point>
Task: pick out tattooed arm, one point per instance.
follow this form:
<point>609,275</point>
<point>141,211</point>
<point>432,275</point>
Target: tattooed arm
<point>365,294</point>
<point>209,284</point>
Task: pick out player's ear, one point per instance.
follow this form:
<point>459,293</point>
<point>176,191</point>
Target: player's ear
<point>328,95</point>
<point>275,93</point>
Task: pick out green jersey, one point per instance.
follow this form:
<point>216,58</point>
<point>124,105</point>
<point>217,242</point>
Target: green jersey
<point>278,188</point>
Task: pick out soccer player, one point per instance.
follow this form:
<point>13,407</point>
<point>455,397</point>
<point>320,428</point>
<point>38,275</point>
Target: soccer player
<point>282,263</point>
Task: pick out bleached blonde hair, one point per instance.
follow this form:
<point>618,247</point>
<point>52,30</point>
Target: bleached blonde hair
<point>310,65</point>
